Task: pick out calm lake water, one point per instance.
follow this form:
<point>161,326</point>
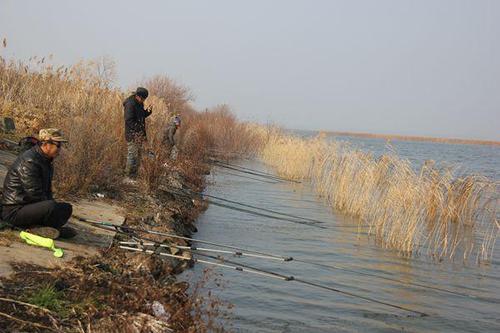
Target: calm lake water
<point>269,305</point>
<point>468,159</point>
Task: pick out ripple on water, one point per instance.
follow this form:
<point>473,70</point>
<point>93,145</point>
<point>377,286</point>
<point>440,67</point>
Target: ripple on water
<point>268,305</point>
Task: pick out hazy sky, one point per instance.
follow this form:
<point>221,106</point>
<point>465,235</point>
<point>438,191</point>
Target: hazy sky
<point>398,67</point>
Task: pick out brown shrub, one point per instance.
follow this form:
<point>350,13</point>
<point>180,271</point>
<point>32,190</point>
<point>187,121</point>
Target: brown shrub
<point>79,99</point>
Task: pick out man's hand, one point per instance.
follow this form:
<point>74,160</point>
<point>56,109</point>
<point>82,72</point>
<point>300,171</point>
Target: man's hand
<point>150,109</point>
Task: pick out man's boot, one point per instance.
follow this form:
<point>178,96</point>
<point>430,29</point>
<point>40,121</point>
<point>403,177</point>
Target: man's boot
<point>67,232</point>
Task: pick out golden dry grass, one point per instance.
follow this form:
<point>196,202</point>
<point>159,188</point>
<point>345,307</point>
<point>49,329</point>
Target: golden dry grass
<point>38,96</point>
<point>79,100</point>
<point>430,210</point>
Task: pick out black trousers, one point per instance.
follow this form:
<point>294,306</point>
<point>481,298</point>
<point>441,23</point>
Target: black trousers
<point>47,213</point>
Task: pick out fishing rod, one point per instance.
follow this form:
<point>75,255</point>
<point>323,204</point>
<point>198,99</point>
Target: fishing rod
<point>317,285</point>
<point>195,260</point>
<point>250,269</point>
<point>214,161</point>
<point>123,230</point>
<point>252,171</point>
<point>414,284</point>
<point>195,248</point>
<point>252,178</point>
<point>255,207</point>
<point>311,224</point>
<point>257,174</point>
<point>292,218</point>
<point>276,178</point>
<point>242,253</point>
<point>183,192</point>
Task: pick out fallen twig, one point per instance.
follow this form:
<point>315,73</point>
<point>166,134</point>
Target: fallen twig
<point>27,322</point>
<point>25,304</point>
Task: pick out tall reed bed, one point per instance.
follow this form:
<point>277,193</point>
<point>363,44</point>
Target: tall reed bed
<point>430,210</point>
<point>80,100</point>
<point>37,95</point>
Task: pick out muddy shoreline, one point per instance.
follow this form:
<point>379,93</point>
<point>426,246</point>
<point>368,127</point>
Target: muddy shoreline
<point>115,290</point>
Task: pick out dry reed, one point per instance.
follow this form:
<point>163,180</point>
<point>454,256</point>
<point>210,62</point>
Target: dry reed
<point>430,211</point>
<point>80,100</point>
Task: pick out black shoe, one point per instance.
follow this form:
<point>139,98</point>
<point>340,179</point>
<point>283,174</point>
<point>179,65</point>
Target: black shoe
<point>67,232</point>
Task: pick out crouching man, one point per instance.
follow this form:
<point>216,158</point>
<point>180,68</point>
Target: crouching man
<point>27,190</point>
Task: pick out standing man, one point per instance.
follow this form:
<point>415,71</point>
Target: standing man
<point>135,129</point>
<point>168,138</point>
<point>27,190</point>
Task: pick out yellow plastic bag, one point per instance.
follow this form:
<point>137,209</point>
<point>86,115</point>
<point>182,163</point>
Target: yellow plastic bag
<point>36,240</point>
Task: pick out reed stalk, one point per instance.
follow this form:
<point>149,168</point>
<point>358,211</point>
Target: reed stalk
<point>427,211</point>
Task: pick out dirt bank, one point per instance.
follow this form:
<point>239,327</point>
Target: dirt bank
<point>114,290</point>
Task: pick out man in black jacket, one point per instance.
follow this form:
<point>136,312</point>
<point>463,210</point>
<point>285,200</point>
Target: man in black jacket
<point>27,190</point>
<point>135,129</point>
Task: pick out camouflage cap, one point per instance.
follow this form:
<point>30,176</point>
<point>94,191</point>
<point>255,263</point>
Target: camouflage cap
<point>51,134</point>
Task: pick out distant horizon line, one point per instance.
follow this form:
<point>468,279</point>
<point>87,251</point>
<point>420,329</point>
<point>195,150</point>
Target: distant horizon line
<point>411,137</point>
<point>417,138</point>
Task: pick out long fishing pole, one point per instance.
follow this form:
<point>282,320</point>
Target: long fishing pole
<point>122,229</point>
<point>276,178</point>
<point>310,224</point>
<point>415,284</point>
<point>237,268</point>
<point>247,169</point>
<point>202,249</point>
<point>250,269</point>
<point>270,181</point>
<point>313,284</point>
<point>294,218</point>
<point>253,170</point>
<point>242,253</point>
<point>243,210</point>
<point>118,228</point>
<point>256,173</point>
<point>183,192</point>
<point>260,208</point>
<point>246,254</point>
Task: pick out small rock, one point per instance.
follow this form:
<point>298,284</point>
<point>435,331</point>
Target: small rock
<point>159,311</point>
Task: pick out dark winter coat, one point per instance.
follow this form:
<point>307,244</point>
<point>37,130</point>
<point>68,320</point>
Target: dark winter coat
<point>135,119</point>
<point>29,179</point>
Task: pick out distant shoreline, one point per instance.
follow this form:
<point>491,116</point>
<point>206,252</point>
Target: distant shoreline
<point>416,138</point>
